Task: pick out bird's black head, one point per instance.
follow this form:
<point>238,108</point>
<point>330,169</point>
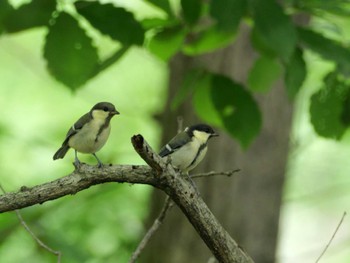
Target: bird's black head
<point>202,128</point>
<point>106,107</point>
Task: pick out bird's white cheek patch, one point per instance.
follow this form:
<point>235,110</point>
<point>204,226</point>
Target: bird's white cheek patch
<point>100,114</point>
<point>202,137</point>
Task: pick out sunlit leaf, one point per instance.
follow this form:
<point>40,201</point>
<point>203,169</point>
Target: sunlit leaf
<point>221,102</point>
<point>295,73</point>
<point>203,101</point>
<point>162,4</point>
<point>208,40</point>
<point>274,27</point>
<point>191,10</point>
<point>327,108</point>
<point>34,14</point>
<point>149,23</point>
<point>228,13</point>
<point>264,73</point>
<point>70,59</point>
<point>115,22</point>
<point>327,48</point>
<point>167,42</point>
<point>337,7</point>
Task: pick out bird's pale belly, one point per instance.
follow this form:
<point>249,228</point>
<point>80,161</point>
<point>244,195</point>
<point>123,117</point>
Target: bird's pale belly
<point>183,158</point>
<point>85,141</point>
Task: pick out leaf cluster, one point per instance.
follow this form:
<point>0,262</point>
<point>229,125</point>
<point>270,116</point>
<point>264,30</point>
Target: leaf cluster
<point>196,27</point>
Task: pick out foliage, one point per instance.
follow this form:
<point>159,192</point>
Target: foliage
<point>194,28</point>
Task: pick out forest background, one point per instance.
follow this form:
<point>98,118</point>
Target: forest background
<point>283,67</point>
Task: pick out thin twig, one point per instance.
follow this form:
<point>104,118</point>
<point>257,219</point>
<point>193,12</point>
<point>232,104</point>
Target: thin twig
<point>156,224</point>
<point>37,240</point>
<point>330,241</point>
<point>212,173</point>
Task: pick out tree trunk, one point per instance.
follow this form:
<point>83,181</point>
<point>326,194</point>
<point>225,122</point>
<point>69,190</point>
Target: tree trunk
<point>248,205</point>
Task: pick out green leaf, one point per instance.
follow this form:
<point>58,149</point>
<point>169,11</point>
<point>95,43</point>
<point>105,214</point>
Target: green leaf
<point>167,42</point>
<point>150,23</point>
<point>35,14</point>
<point>321,7</point>
<point>238,110</point>
<point>228,13</point>
<point>208,41</point>
<point>274,27</point>
<point>115,22</point>
<point>327,48</point>
<point>264,73</point>
<point>191,10</point>
<point>203,102</point>
<point>162,4</point>
<point>327,108</point>
<point>71,59</point>
<point>5,9</point>
<point>295,73</point>
<point>221,102</point>
<point>261,45</point>
<point>188,86</point>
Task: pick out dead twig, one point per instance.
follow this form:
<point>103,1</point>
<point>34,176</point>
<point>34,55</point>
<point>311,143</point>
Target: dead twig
<point>330,241</point>
<point>155,226</point>
<point>37,240</point>
<point>213,173</point>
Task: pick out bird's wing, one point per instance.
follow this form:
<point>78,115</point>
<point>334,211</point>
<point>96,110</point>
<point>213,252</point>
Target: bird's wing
<point>174,144</point>
<point>77,126</point>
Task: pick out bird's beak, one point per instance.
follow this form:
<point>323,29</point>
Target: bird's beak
<point>214,135</point>
<point>115,113</point>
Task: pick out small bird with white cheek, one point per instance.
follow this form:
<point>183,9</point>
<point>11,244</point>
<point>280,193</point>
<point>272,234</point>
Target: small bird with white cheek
<point>90,133</point>
<point>188,148</point>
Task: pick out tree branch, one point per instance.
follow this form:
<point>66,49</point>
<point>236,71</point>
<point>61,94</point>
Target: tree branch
<point>330,241</point>
<point>155,226</point>
<point>161,175</point>
<point>31,233</point>
<point>221,244</point>
<point>80,179</point>
<point>213,173</point>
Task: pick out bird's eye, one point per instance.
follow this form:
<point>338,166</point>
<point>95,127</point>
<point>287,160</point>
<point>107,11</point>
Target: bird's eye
<point>105,109</point>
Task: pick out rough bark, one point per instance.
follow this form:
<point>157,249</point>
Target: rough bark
<point>248,205</point>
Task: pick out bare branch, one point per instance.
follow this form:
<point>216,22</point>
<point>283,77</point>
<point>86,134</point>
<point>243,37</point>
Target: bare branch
<point>37,240</point>
<point>167,206</point>
<point>213,173</point>
<point>161,175</point>
<point>155,226</point>
<point>330,241</point>
<point>80,179</point>
<point>148,155</point>
<point>221,244</point>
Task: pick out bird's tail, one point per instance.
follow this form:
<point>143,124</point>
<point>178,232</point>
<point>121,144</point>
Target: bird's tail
<point>61,152</point>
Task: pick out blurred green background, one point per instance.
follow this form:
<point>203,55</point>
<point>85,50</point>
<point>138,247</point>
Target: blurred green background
<point>37,112</point>
<point>105,222</point>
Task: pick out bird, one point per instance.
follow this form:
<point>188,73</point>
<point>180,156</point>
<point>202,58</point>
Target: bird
<point>188,148</point>
<point>90,133</point>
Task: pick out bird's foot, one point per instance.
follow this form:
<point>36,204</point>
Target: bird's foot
<point>77,163</point>
<point>100,164</point>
